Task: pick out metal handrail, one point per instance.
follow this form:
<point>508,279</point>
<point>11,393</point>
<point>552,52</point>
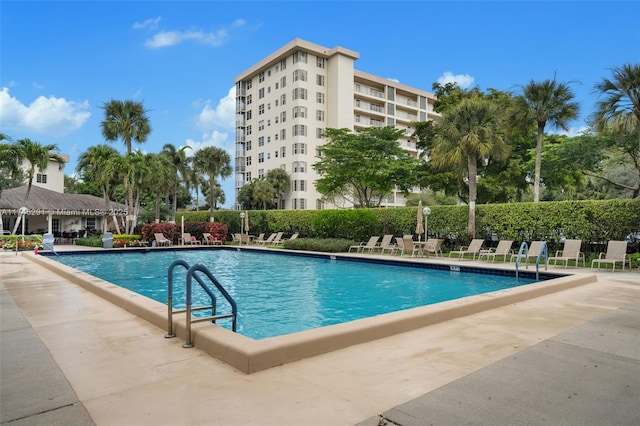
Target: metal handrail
<point>191,274</point>
<point>33,237</point>
<point>525,247</point>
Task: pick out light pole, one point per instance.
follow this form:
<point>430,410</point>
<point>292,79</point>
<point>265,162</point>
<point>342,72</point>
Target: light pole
<point>426,212</point>
<point>241,223</point>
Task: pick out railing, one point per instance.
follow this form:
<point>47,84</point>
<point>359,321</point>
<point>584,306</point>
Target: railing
<point>525,247</point>
<point>48,245</point>
<point>191,274</point>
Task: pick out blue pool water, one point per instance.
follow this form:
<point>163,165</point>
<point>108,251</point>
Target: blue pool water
<point>280,294</point>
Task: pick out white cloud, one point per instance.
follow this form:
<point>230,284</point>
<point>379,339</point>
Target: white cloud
<point>464,81</point>
<point>573,131</point>
<point>222,116</point>
<point>215,138</point>
<point>169,38</point>
<point>151,24</point>
<point>50,116</point>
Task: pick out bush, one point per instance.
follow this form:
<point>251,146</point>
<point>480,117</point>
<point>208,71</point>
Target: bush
<point>330,245</point>
<point>358,224</point>
<point>9,242</point>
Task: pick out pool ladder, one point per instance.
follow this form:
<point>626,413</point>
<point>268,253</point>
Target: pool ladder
<point>524,247</point>
<point>191,275</point>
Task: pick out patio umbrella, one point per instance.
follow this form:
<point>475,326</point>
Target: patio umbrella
<point>246,221</point>
<point>419,227</point>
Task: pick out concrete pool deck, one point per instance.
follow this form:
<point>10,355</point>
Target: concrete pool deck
<point>70,357</point>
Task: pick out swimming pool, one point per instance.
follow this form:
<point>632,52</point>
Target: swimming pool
<point>279,294</point>
<point>251,355</point>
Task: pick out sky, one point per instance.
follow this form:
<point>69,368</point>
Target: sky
<point>61,61</point>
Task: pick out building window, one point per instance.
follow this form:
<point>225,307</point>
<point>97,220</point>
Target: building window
<point>249,99</point>
<point>319,205</point>
<point>320,115</point>
<point>261,157</point>
<point>277,84</point>
<point>320,62</point>
<point>283,64</point>
<point>248,146</point>
<point>55,224</point>
<point>319,133</point>
<point>299,185</point>
<point>283,134</point>
<point>299,130</point>
<point>89,223</point>
<point>249,115</point>
<point>283,82</point>
<point>268,139</point>
<point>268,156</point>
<point>283,151</point>
<point>249,130</point>
<point>283,99</point>
<point>248,161</point>
<point>300,75</point>
<point>299,112</point>
<point>247,177</point>
<point>320,79</point>
<point>261,141</point>
<point>283,116</point>
<point>260,109</point>
<point>261,77</point>
<point>299,93</point>
<point>320,97</point>
<point>261,93</point>
<point>41,178</point>
<point>249,84</point>
<point>260,125</point>
<point>275,154</point>
<point>300,56</point>
<point>260,173</point>
<point>299,203</point>
<point>299,148</point>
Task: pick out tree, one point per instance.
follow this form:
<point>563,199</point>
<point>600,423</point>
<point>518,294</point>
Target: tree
<point>160,180</point>
<point>280,182</point>
<point>263,192</point>
<point>37,156</point>
<point>467,133</point>
<point>126,120</point>
<point>363,167</point>
<point>178,161</point>
<point>547,102</point>
<point>214,162</point>
<point>94,166</point>
<point>12,175</point>
<point>620,109</point>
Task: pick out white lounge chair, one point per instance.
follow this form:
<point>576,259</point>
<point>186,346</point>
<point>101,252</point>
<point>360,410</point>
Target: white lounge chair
<point>616,253</point>
<point>161,240</point>
<point>503,249</point>
<point>473,249</point>
<point>369,245</point>
<point>570,251</point>
<point>188,239</point>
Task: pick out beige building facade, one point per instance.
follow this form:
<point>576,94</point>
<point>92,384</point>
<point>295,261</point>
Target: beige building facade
<point>286,101</point>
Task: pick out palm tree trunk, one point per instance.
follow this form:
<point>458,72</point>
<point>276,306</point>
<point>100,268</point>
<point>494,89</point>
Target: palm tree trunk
<point>472,163</point>
<point>536,179</point>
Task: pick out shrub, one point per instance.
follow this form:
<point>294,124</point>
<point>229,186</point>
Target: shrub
<point>330,245</point>
<point>358,224</point>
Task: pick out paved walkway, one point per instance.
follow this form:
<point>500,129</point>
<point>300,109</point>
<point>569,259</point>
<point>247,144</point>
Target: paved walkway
<point>70,358</point>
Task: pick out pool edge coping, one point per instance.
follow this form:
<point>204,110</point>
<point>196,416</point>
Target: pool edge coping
<point>251,356</point>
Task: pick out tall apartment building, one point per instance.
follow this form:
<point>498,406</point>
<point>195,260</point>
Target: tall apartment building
<point>285,101</point>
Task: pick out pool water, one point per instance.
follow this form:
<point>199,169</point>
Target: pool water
<point>279,294</point>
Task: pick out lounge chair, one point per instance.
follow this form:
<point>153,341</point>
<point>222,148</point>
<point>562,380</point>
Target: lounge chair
<point>235,238</point>
<point>268,240</point>
<point>369,245</point>
<point>473,249</point>
<point>533,253</point>
<point>293,237</point>
<point>616,252</point>
<point>161,240</point>
<point>259,239</point>
<point>503,249</point>
<point>570,251</point>
<point>386,244</point>
<point>433,245</point>
<point>208,239</point>
<point>188,239</point>
<point>278,238</point>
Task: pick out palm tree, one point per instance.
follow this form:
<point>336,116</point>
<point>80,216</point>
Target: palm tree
<point>548,102</point>
<point>160,180</point>
<point>126,120</point>
<point>178,162</point>
<point>38,156</point>
<point>280,181</point>
<point>620,109</point>
<point>214,162</point>
<point>263,192</point>
<point>93,165</point>
<point>468,132</point>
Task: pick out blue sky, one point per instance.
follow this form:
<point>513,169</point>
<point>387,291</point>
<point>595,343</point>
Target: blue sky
<point>60,61</point>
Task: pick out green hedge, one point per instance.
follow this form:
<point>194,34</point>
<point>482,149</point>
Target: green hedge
<point>594,222</point>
